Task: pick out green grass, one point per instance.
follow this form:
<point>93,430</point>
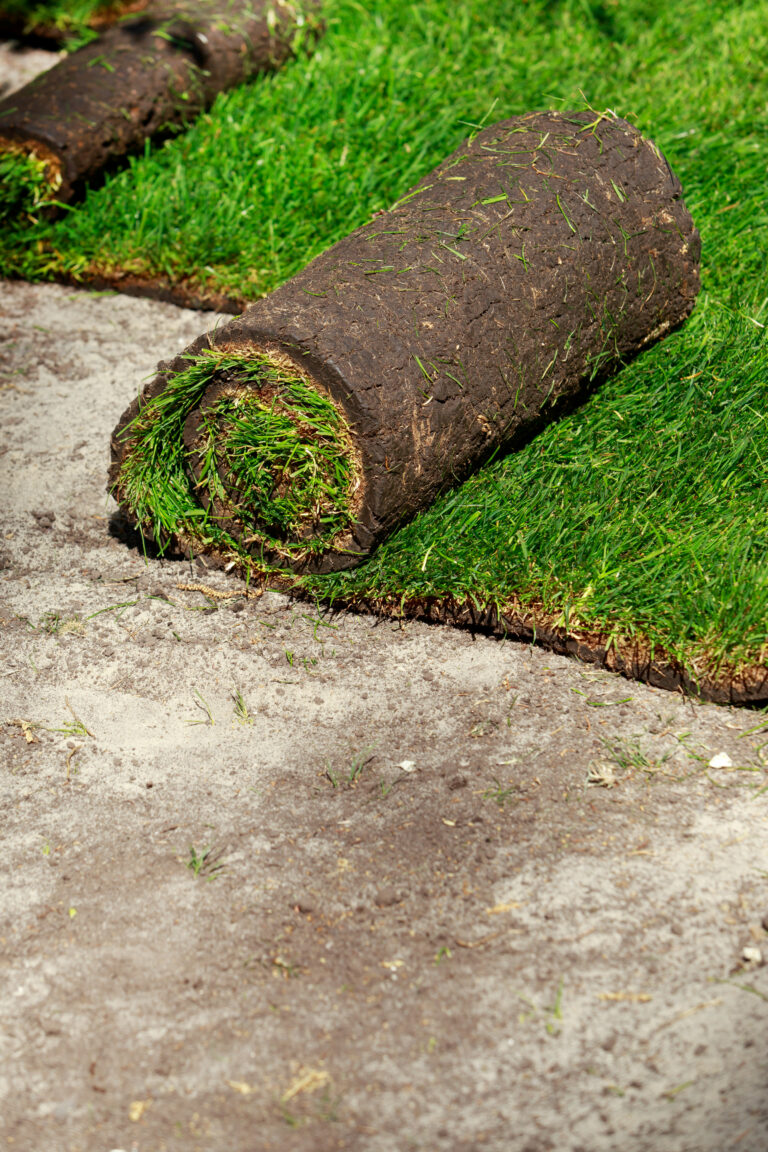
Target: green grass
<point>275,468</point>
<point>643,514</point>
<point>24,186</point>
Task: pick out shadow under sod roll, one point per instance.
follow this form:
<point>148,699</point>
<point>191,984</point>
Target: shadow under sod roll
<point>495,294</point>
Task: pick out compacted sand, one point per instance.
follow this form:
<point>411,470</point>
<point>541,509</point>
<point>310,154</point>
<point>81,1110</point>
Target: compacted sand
<point>459,893</point>
<point>274,879</point>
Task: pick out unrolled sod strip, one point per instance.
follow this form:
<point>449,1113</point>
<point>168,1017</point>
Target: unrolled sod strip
<point>153,71</point>
<point>494,295</point>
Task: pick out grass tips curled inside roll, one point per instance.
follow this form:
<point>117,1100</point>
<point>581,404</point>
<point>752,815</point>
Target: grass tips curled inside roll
<point>25,184</point>
<point>243,455</point>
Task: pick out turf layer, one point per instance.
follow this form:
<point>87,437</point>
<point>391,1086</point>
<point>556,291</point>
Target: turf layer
<point>641,517</point>
<point>24,186</point>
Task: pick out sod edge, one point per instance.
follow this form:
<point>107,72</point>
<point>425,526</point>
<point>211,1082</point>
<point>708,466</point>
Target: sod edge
<point>241,454</point>
<point>635,658</point>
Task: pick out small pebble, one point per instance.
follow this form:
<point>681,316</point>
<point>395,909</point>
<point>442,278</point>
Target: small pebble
<point>385,897</point>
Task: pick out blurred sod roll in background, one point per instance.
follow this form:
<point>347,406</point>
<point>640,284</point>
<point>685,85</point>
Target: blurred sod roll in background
<point>152,72</point>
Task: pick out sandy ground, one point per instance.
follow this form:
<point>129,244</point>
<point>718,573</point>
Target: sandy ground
<point>274,879</point>
<point>486,950</point>
<point>19,65</point>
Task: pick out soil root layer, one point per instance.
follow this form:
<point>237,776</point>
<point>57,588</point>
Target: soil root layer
<point>634,659</point>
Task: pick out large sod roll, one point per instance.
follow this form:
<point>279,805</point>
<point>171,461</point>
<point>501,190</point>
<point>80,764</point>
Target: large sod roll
<point>153,71</point>
<point>496,293</point>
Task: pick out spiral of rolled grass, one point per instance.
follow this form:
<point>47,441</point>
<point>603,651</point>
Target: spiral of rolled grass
<point>242,454</point>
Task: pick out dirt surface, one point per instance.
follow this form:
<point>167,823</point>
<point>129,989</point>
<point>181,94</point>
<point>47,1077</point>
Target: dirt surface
<point>419,924</point>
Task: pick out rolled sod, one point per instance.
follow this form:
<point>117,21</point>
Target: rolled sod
<point>492,297</point>
<point>154,71</point>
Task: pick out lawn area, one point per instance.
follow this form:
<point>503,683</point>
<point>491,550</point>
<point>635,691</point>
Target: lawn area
<point>642,515</point>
